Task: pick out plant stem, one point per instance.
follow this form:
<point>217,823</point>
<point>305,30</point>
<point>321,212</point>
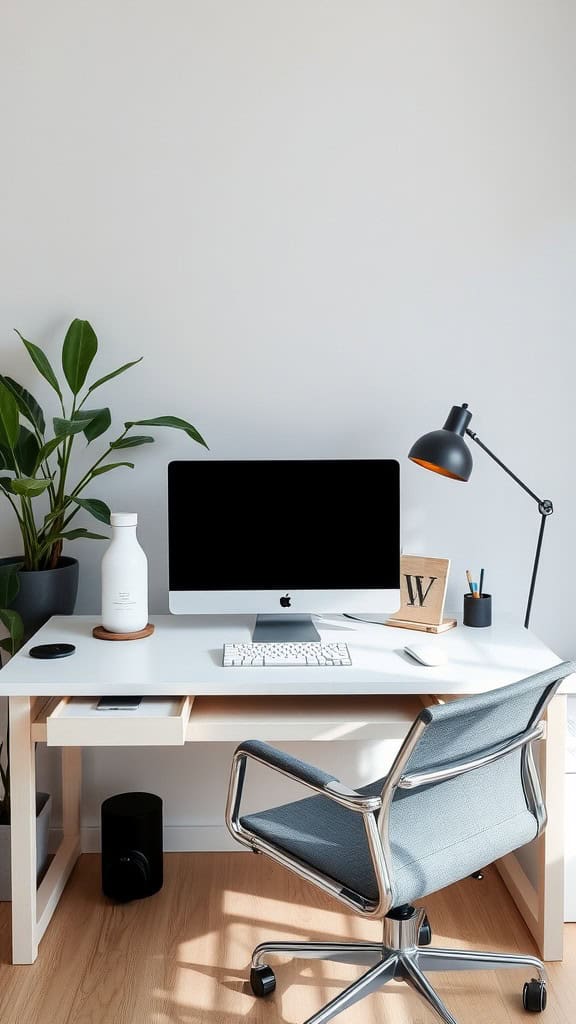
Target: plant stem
<point>16,512</point>
<point>88,475</point>
<point>44,467</point>
<point>53,555</point>
<point>30,535</point>
<point>45,470</point>
<point>26,521</point>
<point>61,522</point>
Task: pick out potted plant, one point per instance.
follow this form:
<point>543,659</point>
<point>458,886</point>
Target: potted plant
<point>35,470</point>
<point>13,623</point>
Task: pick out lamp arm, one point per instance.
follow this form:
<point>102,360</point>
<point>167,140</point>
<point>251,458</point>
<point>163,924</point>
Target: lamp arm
<point>545,509</point>
<point>503,466</point>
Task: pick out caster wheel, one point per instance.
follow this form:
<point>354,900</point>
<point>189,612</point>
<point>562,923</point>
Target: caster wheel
<point>425,933</point>
<point>262,980</point>
<point>534,996</point>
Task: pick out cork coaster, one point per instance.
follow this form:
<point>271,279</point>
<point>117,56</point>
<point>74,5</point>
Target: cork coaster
<point>103,634</point>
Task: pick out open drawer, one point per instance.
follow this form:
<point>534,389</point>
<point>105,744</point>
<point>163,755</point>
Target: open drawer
<point>75,722</point>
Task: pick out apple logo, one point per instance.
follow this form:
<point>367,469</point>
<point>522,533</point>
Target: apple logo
<point>285,601</point>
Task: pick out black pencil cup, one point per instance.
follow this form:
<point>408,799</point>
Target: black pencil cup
<point>478,610</point>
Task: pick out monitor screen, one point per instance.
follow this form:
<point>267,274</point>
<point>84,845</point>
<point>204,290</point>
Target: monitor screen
<point>284,525</point>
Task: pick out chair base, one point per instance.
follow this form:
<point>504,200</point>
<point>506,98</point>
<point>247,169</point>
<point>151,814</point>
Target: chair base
<point>398,956</point>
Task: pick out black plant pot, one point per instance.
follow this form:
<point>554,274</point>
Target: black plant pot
<point>45,592</point>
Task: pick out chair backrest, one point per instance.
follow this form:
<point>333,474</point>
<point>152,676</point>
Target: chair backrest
<point>468,763</point>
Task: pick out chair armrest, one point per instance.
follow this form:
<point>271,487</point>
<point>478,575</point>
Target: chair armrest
<point>308,775</point>
<point>327,785</point>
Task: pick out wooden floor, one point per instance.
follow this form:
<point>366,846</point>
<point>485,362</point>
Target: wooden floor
<point>181,956</point>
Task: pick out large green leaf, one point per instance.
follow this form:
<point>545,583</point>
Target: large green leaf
<point>115,373</point>
<point>132,442</point>
<point>78,534</point>
<point>9,584</point>
<point>41,363</point>
<point>64,428</point>
<point>78,351</point>
<point>27,404</point>
<point>26,451</point>
<point>111,465</point>
<point>15,627</point>
<point>29,487</point>
<point>170,421</point>
<point>47,450</point>
<point>98,422</point>
<point>6,458</point>
<point>99,509</point>
<point>9,422</point>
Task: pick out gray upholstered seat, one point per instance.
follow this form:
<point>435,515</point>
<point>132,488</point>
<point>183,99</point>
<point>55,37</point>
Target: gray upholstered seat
<point>323,834</point>
<point>462,792</point>
<point>426,855</point>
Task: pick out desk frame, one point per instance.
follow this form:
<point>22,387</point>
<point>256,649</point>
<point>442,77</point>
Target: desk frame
<point>32,907</point>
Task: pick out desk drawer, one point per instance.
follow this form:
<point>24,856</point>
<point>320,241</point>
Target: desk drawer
<point>158,722</point>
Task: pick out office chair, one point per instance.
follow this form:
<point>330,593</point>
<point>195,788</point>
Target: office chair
<point>462,792</point>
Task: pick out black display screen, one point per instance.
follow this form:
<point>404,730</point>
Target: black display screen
<point>284,525</point>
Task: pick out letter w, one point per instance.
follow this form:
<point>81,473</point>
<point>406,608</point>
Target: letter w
<point>418,595</point>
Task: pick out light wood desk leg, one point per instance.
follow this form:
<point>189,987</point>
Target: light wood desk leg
<point>551,843</point>
<point>54,881</point>
<point>23,821</point>
<point>542,906</point>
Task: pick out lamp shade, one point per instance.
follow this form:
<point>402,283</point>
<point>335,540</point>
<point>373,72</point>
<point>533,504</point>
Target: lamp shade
<point>445,451</point>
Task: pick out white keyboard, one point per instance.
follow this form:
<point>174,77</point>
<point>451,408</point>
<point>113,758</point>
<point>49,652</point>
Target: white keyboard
<point>314,653</point>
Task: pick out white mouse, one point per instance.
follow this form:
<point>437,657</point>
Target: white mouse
<point>427,654</point>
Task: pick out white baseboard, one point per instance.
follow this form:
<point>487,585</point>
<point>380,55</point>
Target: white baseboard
<point>177,839</point>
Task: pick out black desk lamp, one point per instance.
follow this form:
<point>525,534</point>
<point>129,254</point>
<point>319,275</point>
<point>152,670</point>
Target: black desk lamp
<point>445,451</point>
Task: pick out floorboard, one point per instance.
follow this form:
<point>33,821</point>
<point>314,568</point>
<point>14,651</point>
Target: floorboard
<point>181,957</point>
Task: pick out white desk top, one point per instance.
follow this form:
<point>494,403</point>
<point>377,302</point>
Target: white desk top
<point>184,656</point>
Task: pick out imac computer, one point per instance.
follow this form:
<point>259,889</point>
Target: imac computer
<point>284,540</point>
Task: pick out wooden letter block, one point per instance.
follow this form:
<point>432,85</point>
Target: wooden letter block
<point>423,583</point>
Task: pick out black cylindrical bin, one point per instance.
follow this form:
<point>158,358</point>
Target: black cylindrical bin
<point>131,846</point>
<point>477,610</point>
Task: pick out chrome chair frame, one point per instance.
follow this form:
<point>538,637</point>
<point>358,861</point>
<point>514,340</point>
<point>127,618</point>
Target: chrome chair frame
<point>375,810</point>
<point>398,955</point>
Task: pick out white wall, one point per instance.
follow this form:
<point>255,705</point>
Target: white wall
<point>322,223</point>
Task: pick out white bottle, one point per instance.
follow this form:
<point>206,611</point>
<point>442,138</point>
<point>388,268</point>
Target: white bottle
<point>124,578</point>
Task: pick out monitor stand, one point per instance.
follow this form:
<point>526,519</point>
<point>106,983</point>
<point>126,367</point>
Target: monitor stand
<point>282,629</point>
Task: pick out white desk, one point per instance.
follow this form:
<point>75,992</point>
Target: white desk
<point>193,698</point>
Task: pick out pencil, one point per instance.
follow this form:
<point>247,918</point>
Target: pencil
<point>469,578</point>
<point>481,582</point>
